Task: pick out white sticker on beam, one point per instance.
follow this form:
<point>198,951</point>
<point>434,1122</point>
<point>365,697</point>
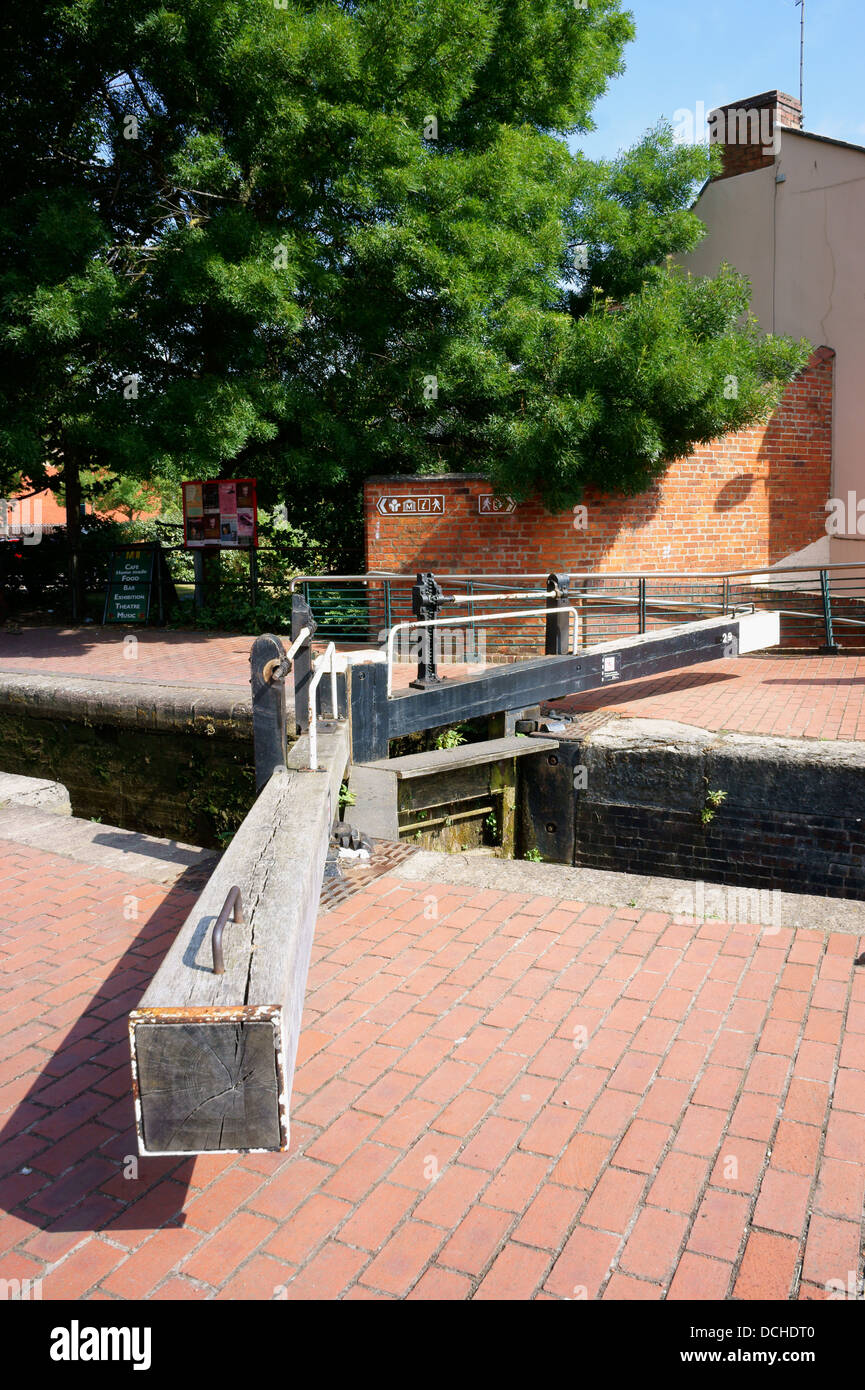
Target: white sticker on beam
<point>758,630</point>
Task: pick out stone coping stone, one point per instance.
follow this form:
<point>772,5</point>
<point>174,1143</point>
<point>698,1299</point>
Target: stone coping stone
<point>106,846</point>
<point>148,705</point>
<point>652,762</point>
<point>38,792</point>
<point>644,892</point>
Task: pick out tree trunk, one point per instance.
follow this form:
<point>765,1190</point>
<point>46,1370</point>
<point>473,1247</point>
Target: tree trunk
<point>72,484</point>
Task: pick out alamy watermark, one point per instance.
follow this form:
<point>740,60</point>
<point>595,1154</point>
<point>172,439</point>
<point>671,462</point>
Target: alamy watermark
<point>843,1289</point>
<point>756,907</point>
<point>20,1290</point>
<point>21,519</point>
<point>737,125</point>
<point>77,1343</point>
<point>846,516</point>
<point>454,646</point>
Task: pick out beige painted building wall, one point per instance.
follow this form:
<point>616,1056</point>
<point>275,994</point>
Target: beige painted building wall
<point>797,230</point>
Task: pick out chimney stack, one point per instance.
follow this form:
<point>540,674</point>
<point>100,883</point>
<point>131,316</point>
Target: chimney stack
<point>746,130</point>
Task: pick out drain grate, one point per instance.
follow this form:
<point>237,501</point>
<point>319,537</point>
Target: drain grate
<point>356,874</point>
<point>579,724</point>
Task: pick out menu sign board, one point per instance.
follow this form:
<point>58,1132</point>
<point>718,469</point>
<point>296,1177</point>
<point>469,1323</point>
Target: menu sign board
<point>130,584</point>
<point>221,513</point>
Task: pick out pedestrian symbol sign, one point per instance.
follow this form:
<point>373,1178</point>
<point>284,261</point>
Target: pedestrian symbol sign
<point>491,505</point>
<point>432,504</point>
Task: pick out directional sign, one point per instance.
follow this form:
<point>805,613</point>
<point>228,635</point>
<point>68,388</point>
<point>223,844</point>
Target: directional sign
<point>434,504</point>
<point>490,504</point>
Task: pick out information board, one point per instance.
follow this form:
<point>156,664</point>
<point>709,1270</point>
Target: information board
<point>223,513</point>
<point>130,585</point>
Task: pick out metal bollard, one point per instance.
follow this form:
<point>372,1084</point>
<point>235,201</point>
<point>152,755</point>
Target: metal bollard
<point>556,635</point>
<point>426,598</point>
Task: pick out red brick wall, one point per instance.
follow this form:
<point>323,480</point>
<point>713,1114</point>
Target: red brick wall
<point>749,499</point>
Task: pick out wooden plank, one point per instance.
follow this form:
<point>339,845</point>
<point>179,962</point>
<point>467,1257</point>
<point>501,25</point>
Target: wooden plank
<point>368,712</point>
<point>195,1068</point>
<point>439,760</point>
<point>503,779</point>
<point>197,1090</point>
<point>375,808</point>
<point>444,788</point>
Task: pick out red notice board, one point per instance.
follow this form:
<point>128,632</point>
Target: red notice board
<point>222,512</point>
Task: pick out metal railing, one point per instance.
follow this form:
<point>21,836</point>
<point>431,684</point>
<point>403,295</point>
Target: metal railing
<point>322,664</point>
<point>473,618</point>
<point>231,908</point>
<point>818,603</point>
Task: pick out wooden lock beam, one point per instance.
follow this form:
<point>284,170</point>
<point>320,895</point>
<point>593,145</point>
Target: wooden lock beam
<point>213,1055</point>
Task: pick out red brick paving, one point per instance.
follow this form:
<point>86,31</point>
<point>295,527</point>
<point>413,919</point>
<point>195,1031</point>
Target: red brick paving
<point>175,658</point>
<point>528,1106</point>
<point>782,695</point>
<point>180,658</point>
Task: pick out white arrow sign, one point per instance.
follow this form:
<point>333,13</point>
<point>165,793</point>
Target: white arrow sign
<point>411,505</point>
<point>491,505</point>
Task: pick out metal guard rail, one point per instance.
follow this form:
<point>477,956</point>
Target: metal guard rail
<point>832,595</point>
<point>474,618</point>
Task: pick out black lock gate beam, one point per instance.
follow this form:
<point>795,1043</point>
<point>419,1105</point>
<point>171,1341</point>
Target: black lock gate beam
<point>377,718</point>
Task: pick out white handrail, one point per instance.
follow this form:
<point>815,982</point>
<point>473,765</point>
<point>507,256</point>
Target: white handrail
<point>297,644</point>
<point>320,665</point>
<point>473,618</point>
<point>493,598</point>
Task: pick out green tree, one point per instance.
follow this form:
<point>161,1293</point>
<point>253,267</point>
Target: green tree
<point>314,239</point>
<point>117,492</point>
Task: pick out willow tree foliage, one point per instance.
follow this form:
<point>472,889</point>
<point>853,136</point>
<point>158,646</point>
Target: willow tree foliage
<point>312,240</point>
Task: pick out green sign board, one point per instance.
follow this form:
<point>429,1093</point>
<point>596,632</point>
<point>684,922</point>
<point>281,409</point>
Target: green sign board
<point>130,585</point>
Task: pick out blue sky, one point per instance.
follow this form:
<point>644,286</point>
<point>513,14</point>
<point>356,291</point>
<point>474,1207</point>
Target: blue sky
<point>687,51</point>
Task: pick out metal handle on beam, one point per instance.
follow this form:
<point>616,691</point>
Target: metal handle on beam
<point>232,907</point>
<point>277,670</point>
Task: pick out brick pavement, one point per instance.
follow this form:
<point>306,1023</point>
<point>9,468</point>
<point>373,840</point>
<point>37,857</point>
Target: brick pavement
<point>783,695</point>
<point>178,658</point>
<point>499,1095</point>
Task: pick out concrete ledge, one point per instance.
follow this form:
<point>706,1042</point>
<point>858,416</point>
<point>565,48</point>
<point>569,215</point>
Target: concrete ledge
<point>375,810</point>
<point>106,846</point>
<point>37,792</point>
<point>677,896</point>
<point>639,761</point>
<point>127,704</point>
